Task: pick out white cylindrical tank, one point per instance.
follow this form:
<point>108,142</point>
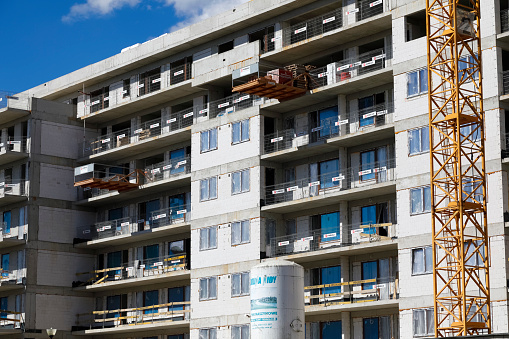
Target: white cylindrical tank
<point>277,300</point>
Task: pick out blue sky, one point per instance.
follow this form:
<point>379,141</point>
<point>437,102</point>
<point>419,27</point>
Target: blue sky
<point>42,40</point>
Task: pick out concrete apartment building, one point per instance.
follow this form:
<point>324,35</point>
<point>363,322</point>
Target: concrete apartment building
<point>215,181</point>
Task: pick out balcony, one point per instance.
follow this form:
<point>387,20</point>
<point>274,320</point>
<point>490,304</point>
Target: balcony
<point>11,236</point>
<point>353,183</point>
<point>329,241</point>
<point>163,222</point>
<point>327,31</point>
<point>504,20</point>
<point>157,133</point>
<point>138,273</point>
<point>171,317</point>
<point>230,104</point>
<point>353,295</point>
<point>366,125</point>
<point>12,279</point>
<point>156,178</point>
<point>12,191</point>
<point>13,106</point>
<point>11,322</point>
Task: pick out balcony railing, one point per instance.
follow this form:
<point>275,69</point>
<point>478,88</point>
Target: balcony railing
<point>505,80</point>
<point>13,188</point>
<point>268,44</point>
<point>11,319</point>
<point>152,128</point>
<point>129,225</point>
<point>368,8</point>
<point>352,292</point>
<point>344,235</point>
<point>233,103</point>
<point>12,277</point>
<point>504,20</point>
<point>8,231</point>
<point>332,182</point>
<point>134,316</point>
<point>337,72</point>
<point>180,73</point>
<point>361,120</point>
<point>313,27</point>
<point>99,102</point>
<point>14,145</point>
<point>136,269</point>
<point>505,152</point>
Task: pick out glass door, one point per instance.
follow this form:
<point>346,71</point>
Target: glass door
<point>331,275</point>
<point>177,156</point>
<point>369,271</point>
<point>329,227</point>
<point>7,222</point>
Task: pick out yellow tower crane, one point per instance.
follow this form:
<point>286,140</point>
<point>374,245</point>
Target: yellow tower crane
<point>458,176</point>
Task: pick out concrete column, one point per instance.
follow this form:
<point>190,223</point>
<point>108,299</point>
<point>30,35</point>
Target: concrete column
<point>279,34</point>
<point>165,116</point>
<point>350,5</point>
<point>198,104</point>
<point>343,220</point>
<point>345,322</point>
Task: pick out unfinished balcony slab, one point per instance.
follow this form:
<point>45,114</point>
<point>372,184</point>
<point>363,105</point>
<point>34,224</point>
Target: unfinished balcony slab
<point>183,276</point>
<point>150,188</point>
<point>7,199</point>
<point>329,92</point>
<point>153,233</point>
<point>169,327</point>
<point>330,40</point>
<point>140,147</point>
<point>159,97</point>
<point>11,242</point>
<point>503,39</point>
<point>11,156</point>
<point>332,198</point>
<point>11,286</point>
<point>11,331</point>
<point>9,114</point>
<point>313,310</point>
<point>505,98</point>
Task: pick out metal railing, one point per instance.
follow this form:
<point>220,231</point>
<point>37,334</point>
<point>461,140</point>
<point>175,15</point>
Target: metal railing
<point>149,83</point>
<point>129,225</point>
<point>12,232</point>
<point>134,316</point>
<point>99,102</point>
<point>352,292</point>
<point>505,152</point>
<point>14,100</point>
<point>368,8</point>
<point>180,73</point>
<point>152,128</point>
<point>371,117</point>
<point>13,277</point>
<point>343,235</point>
<point>13,187</point>
<point>505,80</point>
<point>233,103</point>
<point>268,44</point>
<point>349,68</point>
<point>313,27</point>
<point>504,20</point>
<point>13,144</point>
<point>332,182</point>
<point>11,319</point>
<point>136,269</point>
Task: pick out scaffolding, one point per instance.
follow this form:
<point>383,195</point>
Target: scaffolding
<point>458,177</point>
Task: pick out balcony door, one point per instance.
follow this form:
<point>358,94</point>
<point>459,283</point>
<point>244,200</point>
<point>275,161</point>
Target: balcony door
<point>329,227</point>
<point>367,105</point>
<point>7,222</point>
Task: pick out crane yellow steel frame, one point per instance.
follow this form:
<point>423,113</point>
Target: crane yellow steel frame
<point>458,176</point>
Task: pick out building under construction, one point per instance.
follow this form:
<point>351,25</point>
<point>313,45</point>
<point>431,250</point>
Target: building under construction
<point>138,192</point>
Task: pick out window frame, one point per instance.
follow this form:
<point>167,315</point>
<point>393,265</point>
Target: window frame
<point>208,149</point>
<point>209,247</point>
<point>424,256</point>
<point>208,180</point>
<point>242,224</point>
<point>240,123</point>
<point>240,327</point>
<point>240,275</point>
<point>208,279</point>
<point>421,150</point>
<point>242,173</point>
<point>419,89</point>
<point>425,311</point>
<point>422,189</point>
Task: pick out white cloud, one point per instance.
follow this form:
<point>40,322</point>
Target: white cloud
<point>96,7</point>
<point>193,11</point>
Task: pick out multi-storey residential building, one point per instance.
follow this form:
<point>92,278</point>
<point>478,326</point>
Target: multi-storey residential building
<point>182,186</point>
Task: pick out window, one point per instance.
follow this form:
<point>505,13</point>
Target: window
<point>471,132</point>
<point>377,328</point>
<point>415,26</point>
<point>374,164</point>
<point>240,332</point>
<point>330,227</point>
<point>422,260</point>
<point>208,140</point>
<point>208,333</point>
<point>329,170</point>
<point>240,284</point>
<point>208,189</point>
<point>240,181</point>
<point>208,288</point>
<point>418,140</point>
<point>466,65</point>
<point>424,322</point>
<point>151,254</point>
<point>126,90</point>
<point>227,46</point>
<point>240,131</point>
<point>208,238</point>
<point>366,107</point>
<point>150,298</point>
<point>240,232</point>
<point>6,229</point>
<point>420,200</point>
<point>417,82</point>
<point>473,185</point>
<point>326,330</point>
<point>477,258</point>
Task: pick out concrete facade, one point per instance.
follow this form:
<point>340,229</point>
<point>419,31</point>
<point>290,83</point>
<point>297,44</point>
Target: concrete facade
<point>230,180</point>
